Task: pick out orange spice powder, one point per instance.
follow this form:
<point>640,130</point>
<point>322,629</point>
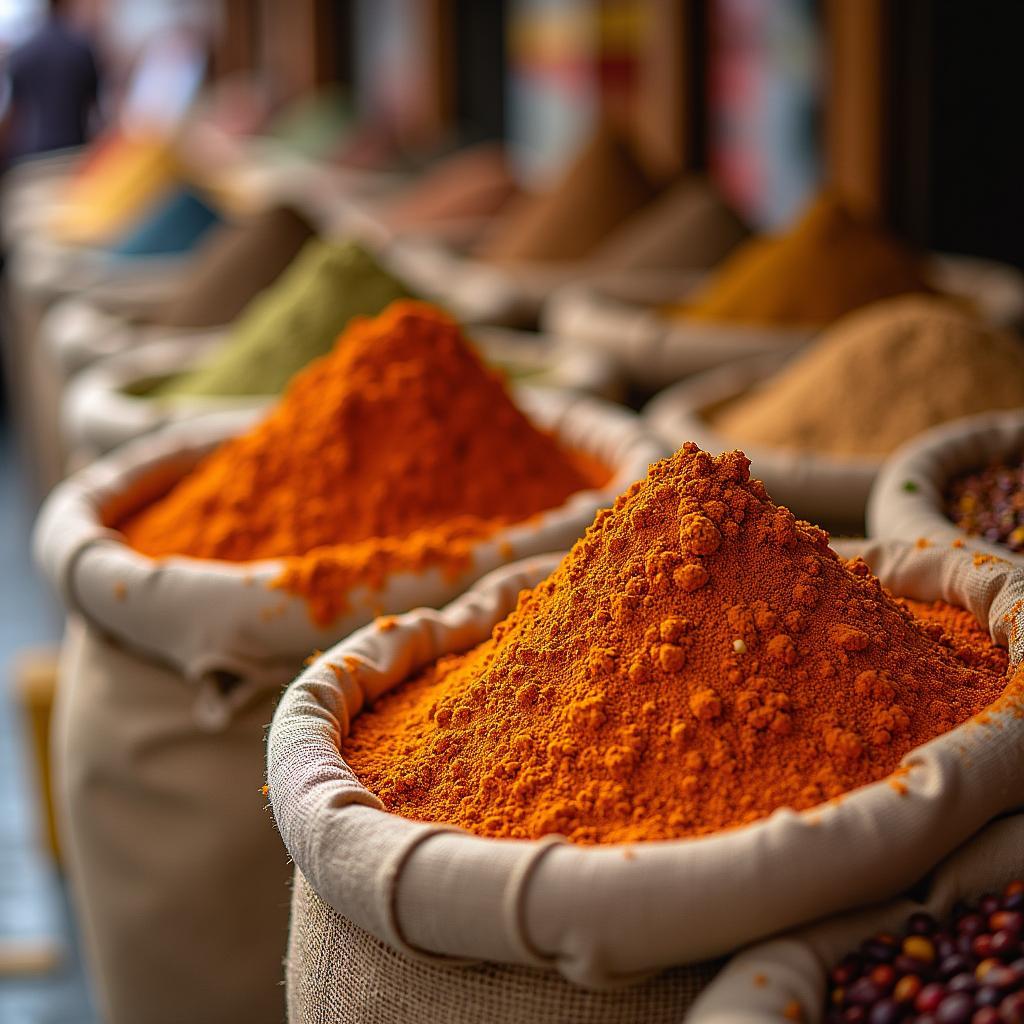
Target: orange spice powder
<point>699,659</point>
<point>399,450</point>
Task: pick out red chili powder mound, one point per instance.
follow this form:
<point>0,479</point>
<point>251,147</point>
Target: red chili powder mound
<point>699,659</point>
<point>399,450</point>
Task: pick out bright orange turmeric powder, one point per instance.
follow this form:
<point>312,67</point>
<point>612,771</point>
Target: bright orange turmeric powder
<point>397,451</point>
<point>699,659</point>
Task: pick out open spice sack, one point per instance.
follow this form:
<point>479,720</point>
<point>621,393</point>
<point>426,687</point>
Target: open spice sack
<point>788,978</point>
<point>118,398</point>
<point>231,267</point>
<point>200,565</point>
<point>771,295</point>
<point>698,728</point>
<point>248,364</point>
<point>958,484</point>
<point>604,219</point>
<point>819,426</point>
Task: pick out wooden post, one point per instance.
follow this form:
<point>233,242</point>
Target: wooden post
<point>856,108</point>
<point>298,45</point>
<point>670,117</point>
<point>436,108</point>
<point>235,49</point>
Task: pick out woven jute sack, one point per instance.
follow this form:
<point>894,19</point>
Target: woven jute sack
<point>906,502</point>
<point>768,982</point>
<point>30,189</point>
<point>655,350</point>
<point>168,678</point>
<point>818,487</point>
<point>80,330</point>
<point>339,973</point>
<point>995,290</point>
<point>49,270</point>
<point>105,405</point>
<point>603,916</point>
<point>513,295</point>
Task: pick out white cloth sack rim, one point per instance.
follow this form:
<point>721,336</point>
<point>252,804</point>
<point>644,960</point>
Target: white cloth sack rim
<point>906,502</point>
<point>505,294</point>
<point>815,486</point>
<point>100,415</point>
<point>205,618</point>
<point>655,349</point>
<point>608,914</point>
<point>759,984</point>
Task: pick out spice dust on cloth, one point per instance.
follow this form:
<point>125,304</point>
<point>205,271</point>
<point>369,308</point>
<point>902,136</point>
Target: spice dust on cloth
<point>397,451</point>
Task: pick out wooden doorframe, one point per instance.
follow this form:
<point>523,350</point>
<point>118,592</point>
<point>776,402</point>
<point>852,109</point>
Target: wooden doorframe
<point>671,108</point>
<point>858,126</point>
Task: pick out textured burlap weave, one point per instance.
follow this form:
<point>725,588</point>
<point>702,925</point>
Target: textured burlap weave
<point>177,876</point>
<point>605,915</point>
<point>760,984</point>
<point>337,973</point>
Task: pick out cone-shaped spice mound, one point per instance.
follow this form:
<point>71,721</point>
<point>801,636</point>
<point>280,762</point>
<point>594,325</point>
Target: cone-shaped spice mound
<point>398,450</point>
<point>829,263</point>
<point>602,185</point>
<point>699,659</point>
<point>234,265</point>
<point>294,321</point>
<point>879,377</point>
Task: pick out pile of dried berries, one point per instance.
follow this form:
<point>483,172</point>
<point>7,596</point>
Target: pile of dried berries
<point>989,503</point>
<point>967,970</point>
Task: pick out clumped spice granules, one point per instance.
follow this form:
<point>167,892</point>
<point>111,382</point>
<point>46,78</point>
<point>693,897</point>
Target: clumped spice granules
<point>699,659</point>
<point>398,451</point>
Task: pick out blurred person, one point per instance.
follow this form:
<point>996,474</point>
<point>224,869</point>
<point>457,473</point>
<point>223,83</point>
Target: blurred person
<point>53,86</point>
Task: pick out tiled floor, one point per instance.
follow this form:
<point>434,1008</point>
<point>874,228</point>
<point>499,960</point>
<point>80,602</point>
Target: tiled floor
<point>32,904</point>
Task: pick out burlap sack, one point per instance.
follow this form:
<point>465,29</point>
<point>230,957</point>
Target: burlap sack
<point>169,676</point>
<point>818,487</point>
<point>996,290</point>
<point>178,879</point>
<point>511,294</point>
<point>48,270</point>
<point>338,973</point>
<point>907,500</point>
<point>608,915</point>
<point>76,333</point>
<point>655,350</point>
<point>104,406</point>
<point>765,984</point>
<point>29,190</point>
<point>206,618</point>
<point>533,358</point>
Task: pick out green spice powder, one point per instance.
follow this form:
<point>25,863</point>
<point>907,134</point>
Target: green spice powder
<point>293,322</point>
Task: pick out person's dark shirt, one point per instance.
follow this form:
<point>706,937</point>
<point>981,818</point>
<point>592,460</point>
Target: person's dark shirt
<point>54,82</point>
